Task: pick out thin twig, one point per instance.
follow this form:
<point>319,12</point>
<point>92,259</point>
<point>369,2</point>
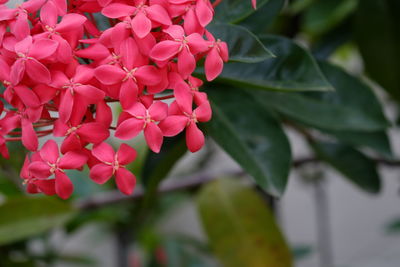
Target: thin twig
<point>185,183</point>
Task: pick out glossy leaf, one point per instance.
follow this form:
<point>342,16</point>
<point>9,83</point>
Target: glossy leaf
<point>233,11</point>
<point>25,217</point>
<point>157,166</point>
<point>251,136</point>
<point>378,37</point>
<point>292,70</point>
<point>243,45</point>
<point>354,165</point>
<point>352,106</point>
<point>322,16</point>
<point>261,20</point>
<point>376,140</point>
<point>240,227</point>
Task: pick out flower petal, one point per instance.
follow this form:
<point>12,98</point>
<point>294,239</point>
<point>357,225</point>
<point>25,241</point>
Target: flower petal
<point>29,137</point>
<point>141,25</point>
<point>64,186</point>
<point>72,160</point>
<point>70,22</point>
<point>194,137</point>
<point>43,48</point>
<point>126,154</point>
<point>103,152</point>
<point>148,75</point>
<point>65,108</point>
<point>165,50</point>
<point>153,136</point>
<point>39,169</point>
<point>93,132</point>
<point>129,129</point>
<point>125,180</point>
<point>49,151</point>
<point>173,125</point>
<point>158,111</point>
<point>108,74</point>
<point>101,173</point>
<point>37,71</point>
<point>213,64</point>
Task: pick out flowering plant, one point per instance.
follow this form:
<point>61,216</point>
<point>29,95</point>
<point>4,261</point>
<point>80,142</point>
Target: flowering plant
<point>120,90</point>
<point>60,71</point>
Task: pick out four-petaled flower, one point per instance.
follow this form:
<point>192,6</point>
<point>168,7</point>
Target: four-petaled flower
<point>50,163</point>
<point>112,163</point>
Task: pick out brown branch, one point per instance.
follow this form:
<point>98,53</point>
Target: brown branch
<point>191,182</point>
<point>116,197</point>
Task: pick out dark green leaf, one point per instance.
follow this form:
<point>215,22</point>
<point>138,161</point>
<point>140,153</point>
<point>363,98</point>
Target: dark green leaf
<point>293,69</point>
<point>234,11</point>
<point>243,45</point>
<point>240,227</point>
<point>393,227</point>
<point>354,165</point>
<point>334,39</point>
<point>378,37</point>
<point>251,136</point>
<point>377,141</point>
<point>24,217</point>
<point>351,107</point>
<point>325,15</point>
<point>261,20</point>
<point>158,165</point>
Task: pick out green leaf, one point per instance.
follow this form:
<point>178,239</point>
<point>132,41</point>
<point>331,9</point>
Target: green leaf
<point>251,136</point>
<point>378,37</point>
<point>377,141</point>
<point>333,40</point>
<point>240,227</point>
<point>25,217</point>
<point>293,69</point>
<point>351,107</point>
<point>322,16</point>
<point>354,165</point>
<point>158,165</point>
<point>393,227</point>
<point>233,11</point>
<point>261,20</point>
<point>243,45</point>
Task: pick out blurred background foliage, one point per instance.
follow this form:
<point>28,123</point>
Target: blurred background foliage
<point>290,69</point>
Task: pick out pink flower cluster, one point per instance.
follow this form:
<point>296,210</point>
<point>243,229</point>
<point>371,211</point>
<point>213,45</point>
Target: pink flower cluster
<point>60,72</point>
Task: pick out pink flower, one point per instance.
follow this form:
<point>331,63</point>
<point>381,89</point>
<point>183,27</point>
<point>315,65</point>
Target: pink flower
<point>182,116</point>
<point>23,119</point>
<point>29,53</point>
<point>114,164</point>
<point>216,56</point>
<point>77,92</point>
<point>129,77</point>
<point>144,119</point>
<point>70,24</point>
<point>51,163</point>
<point>254,3</point>
<point>78,135</point>
<point>36,185</point>
<point>145,17</point>
<point>198,14</point>
<point>185,47</point>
